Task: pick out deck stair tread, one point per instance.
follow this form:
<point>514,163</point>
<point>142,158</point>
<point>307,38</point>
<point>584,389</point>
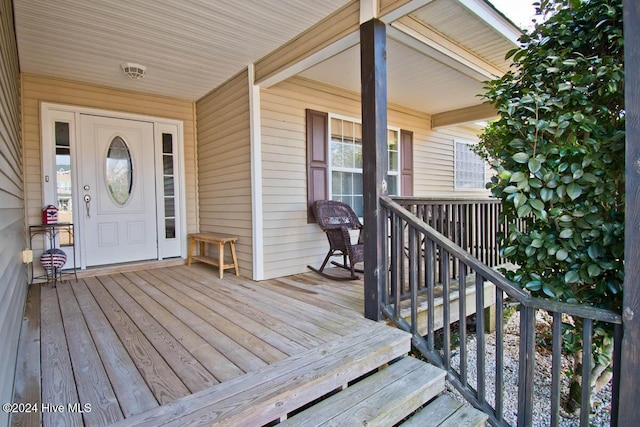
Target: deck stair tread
<point>382,399</point>
<point>445,411</point>
<point>269,394</point>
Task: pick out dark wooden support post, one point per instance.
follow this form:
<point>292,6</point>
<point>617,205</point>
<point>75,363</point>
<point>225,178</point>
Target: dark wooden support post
<point>629,408</point>
<point>373,74</point>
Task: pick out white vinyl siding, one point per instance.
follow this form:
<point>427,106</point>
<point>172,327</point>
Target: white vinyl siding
<point>290,244</point>
<point>13,274</point>
<point>224,165</point>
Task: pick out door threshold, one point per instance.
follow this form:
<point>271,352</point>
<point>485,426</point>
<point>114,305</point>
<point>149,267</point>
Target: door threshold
<point>102,270</point>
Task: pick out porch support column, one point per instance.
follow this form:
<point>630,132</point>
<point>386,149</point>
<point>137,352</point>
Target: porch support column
<point>629,409</point>
<point>373,74</point>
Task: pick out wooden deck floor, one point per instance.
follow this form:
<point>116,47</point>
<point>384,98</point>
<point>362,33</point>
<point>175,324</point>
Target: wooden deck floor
<point>124,343</point>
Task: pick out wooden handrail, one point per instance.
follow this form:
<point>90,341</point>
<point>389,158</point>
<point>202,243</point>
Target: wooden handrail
<point>425,252</point>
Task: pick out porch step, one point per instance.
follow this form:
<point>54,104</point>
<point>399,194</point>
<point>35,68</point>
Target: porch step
<point>446,412</point>
<point>382,399</point>
<point>271,393</point>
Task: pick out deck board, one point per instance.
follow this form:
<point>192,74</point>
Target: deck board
<point>95,388</point>
<point>163,382</point>
<point>28,366</point>
<point>208,311</point>
<point>189,369</point>
<point>59,386</point>
<point>132,391</point>
<point>235,359</point>
<point>284,337</point>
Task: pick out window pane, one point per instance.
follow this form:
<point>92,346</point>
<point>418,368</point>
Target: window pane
<point>64,188</point>
<point>167,163</point>
<point>393,161</point>
<point>336,182</point>
<point>346,161</point>
<point>469,168</point>
<point>167,143</point>
<point>392,180</point>
<point>170,228</point>
<point>336,154</point>
<point>357,155</point>
<point>348,155</point>
<point>119,171</point>
<point>168,186</point>
<point>169,207</point>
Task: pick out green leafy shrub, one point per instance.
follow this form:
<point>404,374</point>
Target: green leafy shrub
<point>558,153</point>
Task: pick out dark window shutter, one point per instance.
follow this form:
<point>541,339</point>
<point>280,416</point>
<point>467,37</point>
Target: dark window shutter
<point>317,159</point>
<point>406,162</point>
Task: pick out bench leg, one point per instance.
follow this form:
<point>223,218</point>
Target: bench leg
<point>192,245</point>
<point>233,256</point>
<point>221,258</point>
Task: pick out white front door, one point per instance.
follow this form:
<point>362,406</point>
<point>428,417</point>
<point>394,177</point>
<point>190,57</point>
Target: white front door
<point>117,194</point>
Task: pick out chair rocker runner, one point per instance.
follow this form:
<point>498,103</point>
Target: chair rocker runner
<point>336,219</point>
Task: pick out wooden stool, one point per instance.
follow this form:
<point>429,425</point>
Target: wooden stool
<point>220,240</point>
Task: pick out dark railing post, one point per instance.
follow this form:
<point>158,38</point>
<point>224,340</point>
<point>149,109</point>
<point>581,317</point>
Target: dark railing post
<point>629,410</point>
<point>373,75</point>
<point>527,360</point>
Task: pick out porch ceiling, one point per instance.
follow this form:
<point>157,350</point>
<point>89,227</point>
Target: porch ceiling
<point>439,52</point>
<point>189,46</point>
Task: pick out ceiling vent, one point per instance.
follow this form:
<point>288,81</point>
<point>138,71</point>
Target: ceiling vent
<point>135,71</point>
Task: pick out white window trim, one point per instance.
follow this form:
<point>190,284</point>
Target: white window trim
<point>355,170</point>
<point>455,163</point>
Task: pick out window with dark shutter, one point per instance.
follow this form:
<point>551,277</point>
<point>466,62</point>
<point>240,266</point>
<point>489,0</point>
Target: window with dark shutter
<point>317,159</point>
<point>406,162</point>
<point>346,167</point>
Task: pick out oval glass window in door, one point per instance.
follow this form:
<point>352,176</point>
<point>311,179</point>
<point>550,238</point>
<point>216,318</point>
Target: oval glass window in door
<point>119,171</point>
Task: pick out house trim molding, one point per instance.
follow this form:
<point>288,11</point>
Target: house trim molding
<point>256,176</point>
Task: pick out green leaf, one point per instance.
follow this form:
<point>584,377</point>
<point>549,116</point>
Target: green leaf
<point>519,200</point>
<point>524,211</point>
<point>549,290</point>
<point>546,194</point>
<point>567,233</point>
<point>520,157</point>
<point>533,285</point>
<point>561,254</point>
<point>593,270</point>
<point>574,190</point>
<point>572,277</point>
<point>510,189</point>
<point>537,243</point>
<point>536,204</point>
<point>517,177</point>
<point>534,165</point>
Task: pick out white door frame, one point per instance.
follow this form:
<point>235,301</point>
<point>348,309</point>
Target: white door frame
<point>50,112</point>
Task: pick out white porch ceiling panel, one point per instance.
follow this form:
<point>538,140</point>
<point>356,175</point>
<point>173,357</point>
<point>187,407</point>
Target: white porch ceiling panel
<point>456,22</point>
<point>192,46</point>
<point>414,80</point>
<point>188,46</point>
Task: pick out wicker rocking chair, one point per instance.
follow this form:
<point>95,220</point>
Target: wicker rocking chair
<point>336,219</point>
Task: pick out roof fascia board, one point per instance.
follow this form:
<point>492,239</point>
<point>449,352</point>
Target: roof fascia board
<point>308,62</point>
<point>433,45</point>
<point>463,115</point>
<point>319,42</point>
<point>494,19</point>
<point>387,16</point>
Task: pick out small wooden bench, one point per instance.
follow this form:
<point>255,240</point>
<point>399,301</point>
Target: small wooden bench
<point>213,238</point>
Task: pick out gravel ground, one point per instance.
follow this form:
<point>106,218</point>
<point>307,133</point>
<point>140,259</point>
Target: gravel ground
<point>542,381</point>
